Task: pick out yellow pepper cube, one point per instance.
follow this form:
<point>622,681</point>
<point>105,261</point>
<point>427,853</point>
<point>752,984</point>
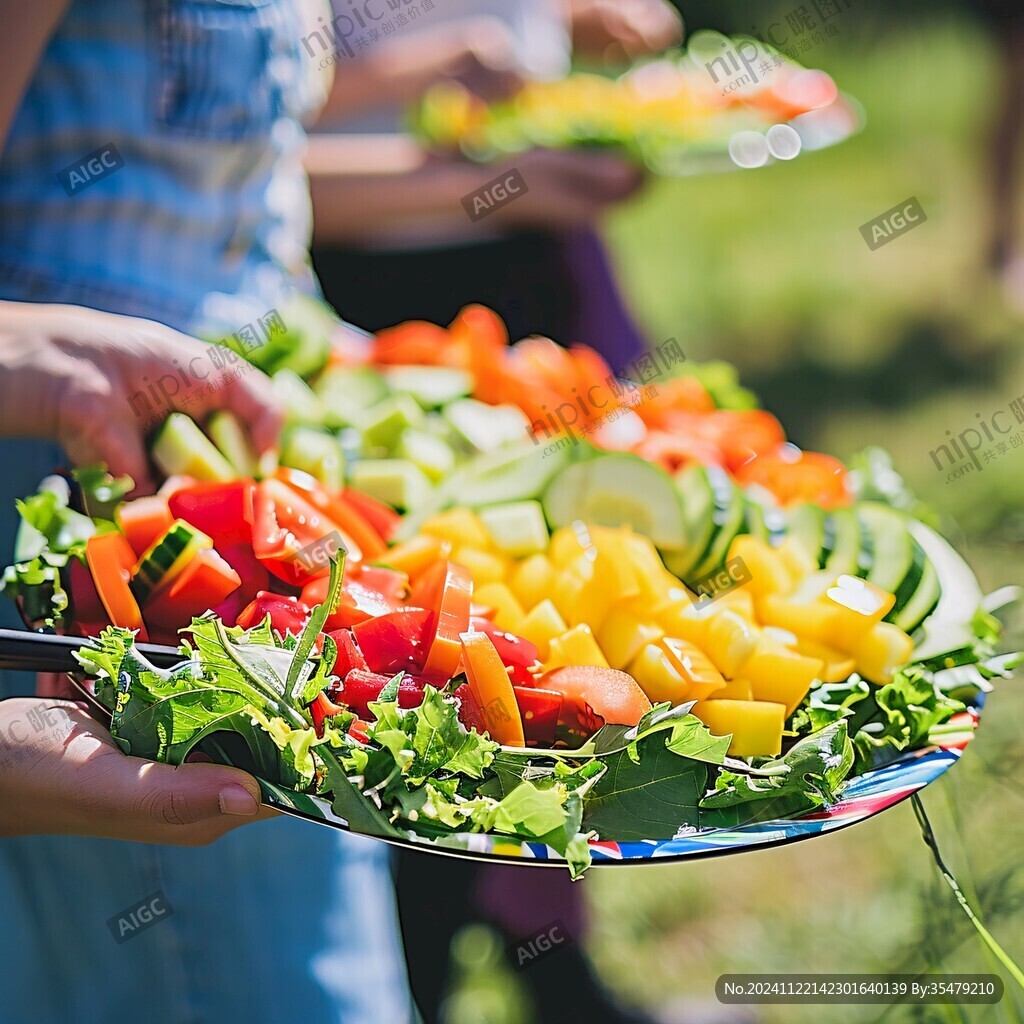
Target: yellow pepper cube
<point>622,636</point>
<point>837,666</point>
<point>508,613</point>
<point>461,527</point>
<point>813,620</point>
<point>755,726</point>
<point>483,566</point>
<point>882,651</point>
<point>736,689</point>
<point>541,626</point>
<point>768,572</point>
<point>729,640</point>
<point>700,675</point>
<point>779,674</point>
<point>681,617</point>
<point>591,601</point>
<point>856,605</point>
<point>577,647</point>
<point>568,543</point>
<point>531,580</point>
<point>657,676</point>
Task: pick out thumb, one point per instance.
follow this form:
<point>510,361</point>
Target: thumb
<point>190,792</point>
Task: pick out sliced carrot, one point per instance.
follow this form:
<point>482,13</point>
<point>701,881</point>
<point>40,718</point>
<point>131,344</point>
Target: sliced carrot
<point>490,684</point>
<point>111,559</point>
<point>414,557</point>
<point>447,590</point>
<point>416,342</point>
<point>143,520</point>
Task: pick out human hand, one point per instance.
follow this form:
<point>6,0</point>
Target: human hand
<point>622,30</point>
<point>70,374</point>
<point>62,773</point>
<point>564,188</point>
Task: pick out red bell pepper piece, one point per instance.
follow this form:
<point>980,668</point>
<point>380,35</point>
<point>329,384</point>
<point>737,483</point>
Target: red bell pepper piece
<point>447,590</point>
<point>395,641</point>
<point>517,655</point>
<point>471,715</point>
<point>365,593</point>
<point>362,687</point>
<point>223,511</point>
<point>203,584</point>
<point>287,614</point>
<point>321,708</point>
<point>540,711</point>
<point>349,655</point>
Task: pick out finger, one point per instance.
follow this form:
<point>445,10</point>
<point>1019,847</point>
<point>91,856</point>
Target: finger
<point>54,684</point>
<point>251,398</point>
<point>118,443</point>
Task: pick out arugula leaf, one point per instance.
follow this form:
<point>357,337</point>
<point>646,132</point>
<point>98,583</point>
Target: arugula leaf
<point>313,628</point>
<point>808,776</point>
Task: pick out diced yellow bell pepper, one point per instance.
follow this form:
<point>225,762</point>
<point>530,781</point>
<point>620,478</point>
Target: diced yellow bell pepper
<point>779,674</point>
<point>567,595</point>
<point>881,651</point>
<point>483,566</point>
<point>682,618</point>
<point>655,581</point>
<point>531,580</point>
<point>541,626</point>
<point>796,559</point>
<point>577,647</point>
<point>461,527</point>
<point>813,621</point>
<point>700,675</point>
<point>508,613</point>
<point>567,544</point>
<point>623,634</point>
<point>756,726</point>
<point>729,640</point>
<point>591,602</point>
<point>736,689</point>
<point>741,601</point>
<point>837,666</point>
<point>768,572</point>
<point>415,556</point>
<point>857,605</point>
<point>658,678</point>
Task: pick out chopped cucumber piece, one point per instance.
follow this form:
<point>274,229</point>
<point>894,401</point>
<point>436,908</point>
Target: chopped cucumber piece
<point>616,490</point>
<point>430,453</point>
<point>316,453</point>
<point>922,602</point>
<point>230,437</point>
<point>485,428</point>
<point>298,399</point>
<point>431,386</point>
<point>166,558</point>
<point>344,393</point>
<point>806,525</point>
<point>698,500</point>
<point>384,423</point>
<point>397,482</point>
<point>181,448</point>
<point>514,473</point>
<point>518,529</point>
<point>892,547</point>
<point>844,543</point>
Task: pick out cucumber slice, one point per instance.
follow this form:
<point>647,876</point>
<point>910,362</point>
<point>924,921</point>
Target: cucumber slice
<point>431,386</point>
<point>485,428</point>
<point>892,547</point>
<point>181,448</point>
<point>619,490</point>
<point>910,583</point>
<point>345,393</point>
<point>434,456</point>
<point>922,602</point>
<point>384,423</point>
<point>231,439</point>
<point>514,473</point>
<point>844,547</point>
<point>518,529</point>
<point>806,525</point>
<point>299,400</point>
<point>166,558</point>
<point>316,453</point>
<point>728,516</point>
<point>397,482</point>
<point>698,499</point>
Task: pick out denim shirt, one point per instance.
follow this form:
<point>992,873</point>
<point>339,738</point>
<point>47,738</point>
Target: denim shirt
<point>200,99</point>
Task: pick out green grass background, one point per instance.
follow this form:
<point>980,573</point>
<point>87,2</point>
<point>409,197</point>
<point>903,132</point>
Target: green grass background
<point>850,347</point>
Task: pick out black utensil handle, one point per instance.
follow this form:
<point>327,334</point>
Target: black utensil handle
<point>24,651</point>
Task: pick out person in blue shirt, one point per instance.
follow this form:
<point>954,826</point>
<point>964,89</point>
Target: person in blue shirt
<point>152,191</point>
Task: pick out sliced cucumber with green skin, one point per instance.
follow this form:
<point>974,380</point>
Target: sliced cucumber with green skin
<point>806,525</point>
<point>180,448</point>
<point>697,495</point>
<point>167,556</point>
<point>345,393</point>
<point>911,582</point>
<point>844,548</point>
<point>431,386</point>
<point>922,602</point>
<point>619,490</point>
<point>231,439</point>
<point>729,515</point>
<point>892,547</point>
<point>316,453</point>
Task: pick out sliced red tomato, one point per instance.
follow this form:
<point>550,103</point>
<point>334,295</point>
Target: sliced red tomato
<point>111,560</point>
<point>223,511</point>
<point>471,715</point>
<point>143,520</point>
<point>396,641</point>
<point>517,655</point>
<point>540,710</point>
<point>796,477</point>
<point>362,541</point>
<point>673,451</point>
<point>447,591</point>
<point>321,708</point>
<point>287,614</point>
<point>743,434</point>
<point>349,655</point>
<point>285,524</point>
<point>364,595</point>
<point>416,342</point>
<point>577,722</point>
<point>202,585</point>
<point>361,687</point>
<point>383,518</point>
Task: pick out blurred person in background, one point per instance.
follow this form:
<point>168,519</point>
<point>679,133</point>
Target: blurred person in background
<point>151,183</point>
<point>392,242</point>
